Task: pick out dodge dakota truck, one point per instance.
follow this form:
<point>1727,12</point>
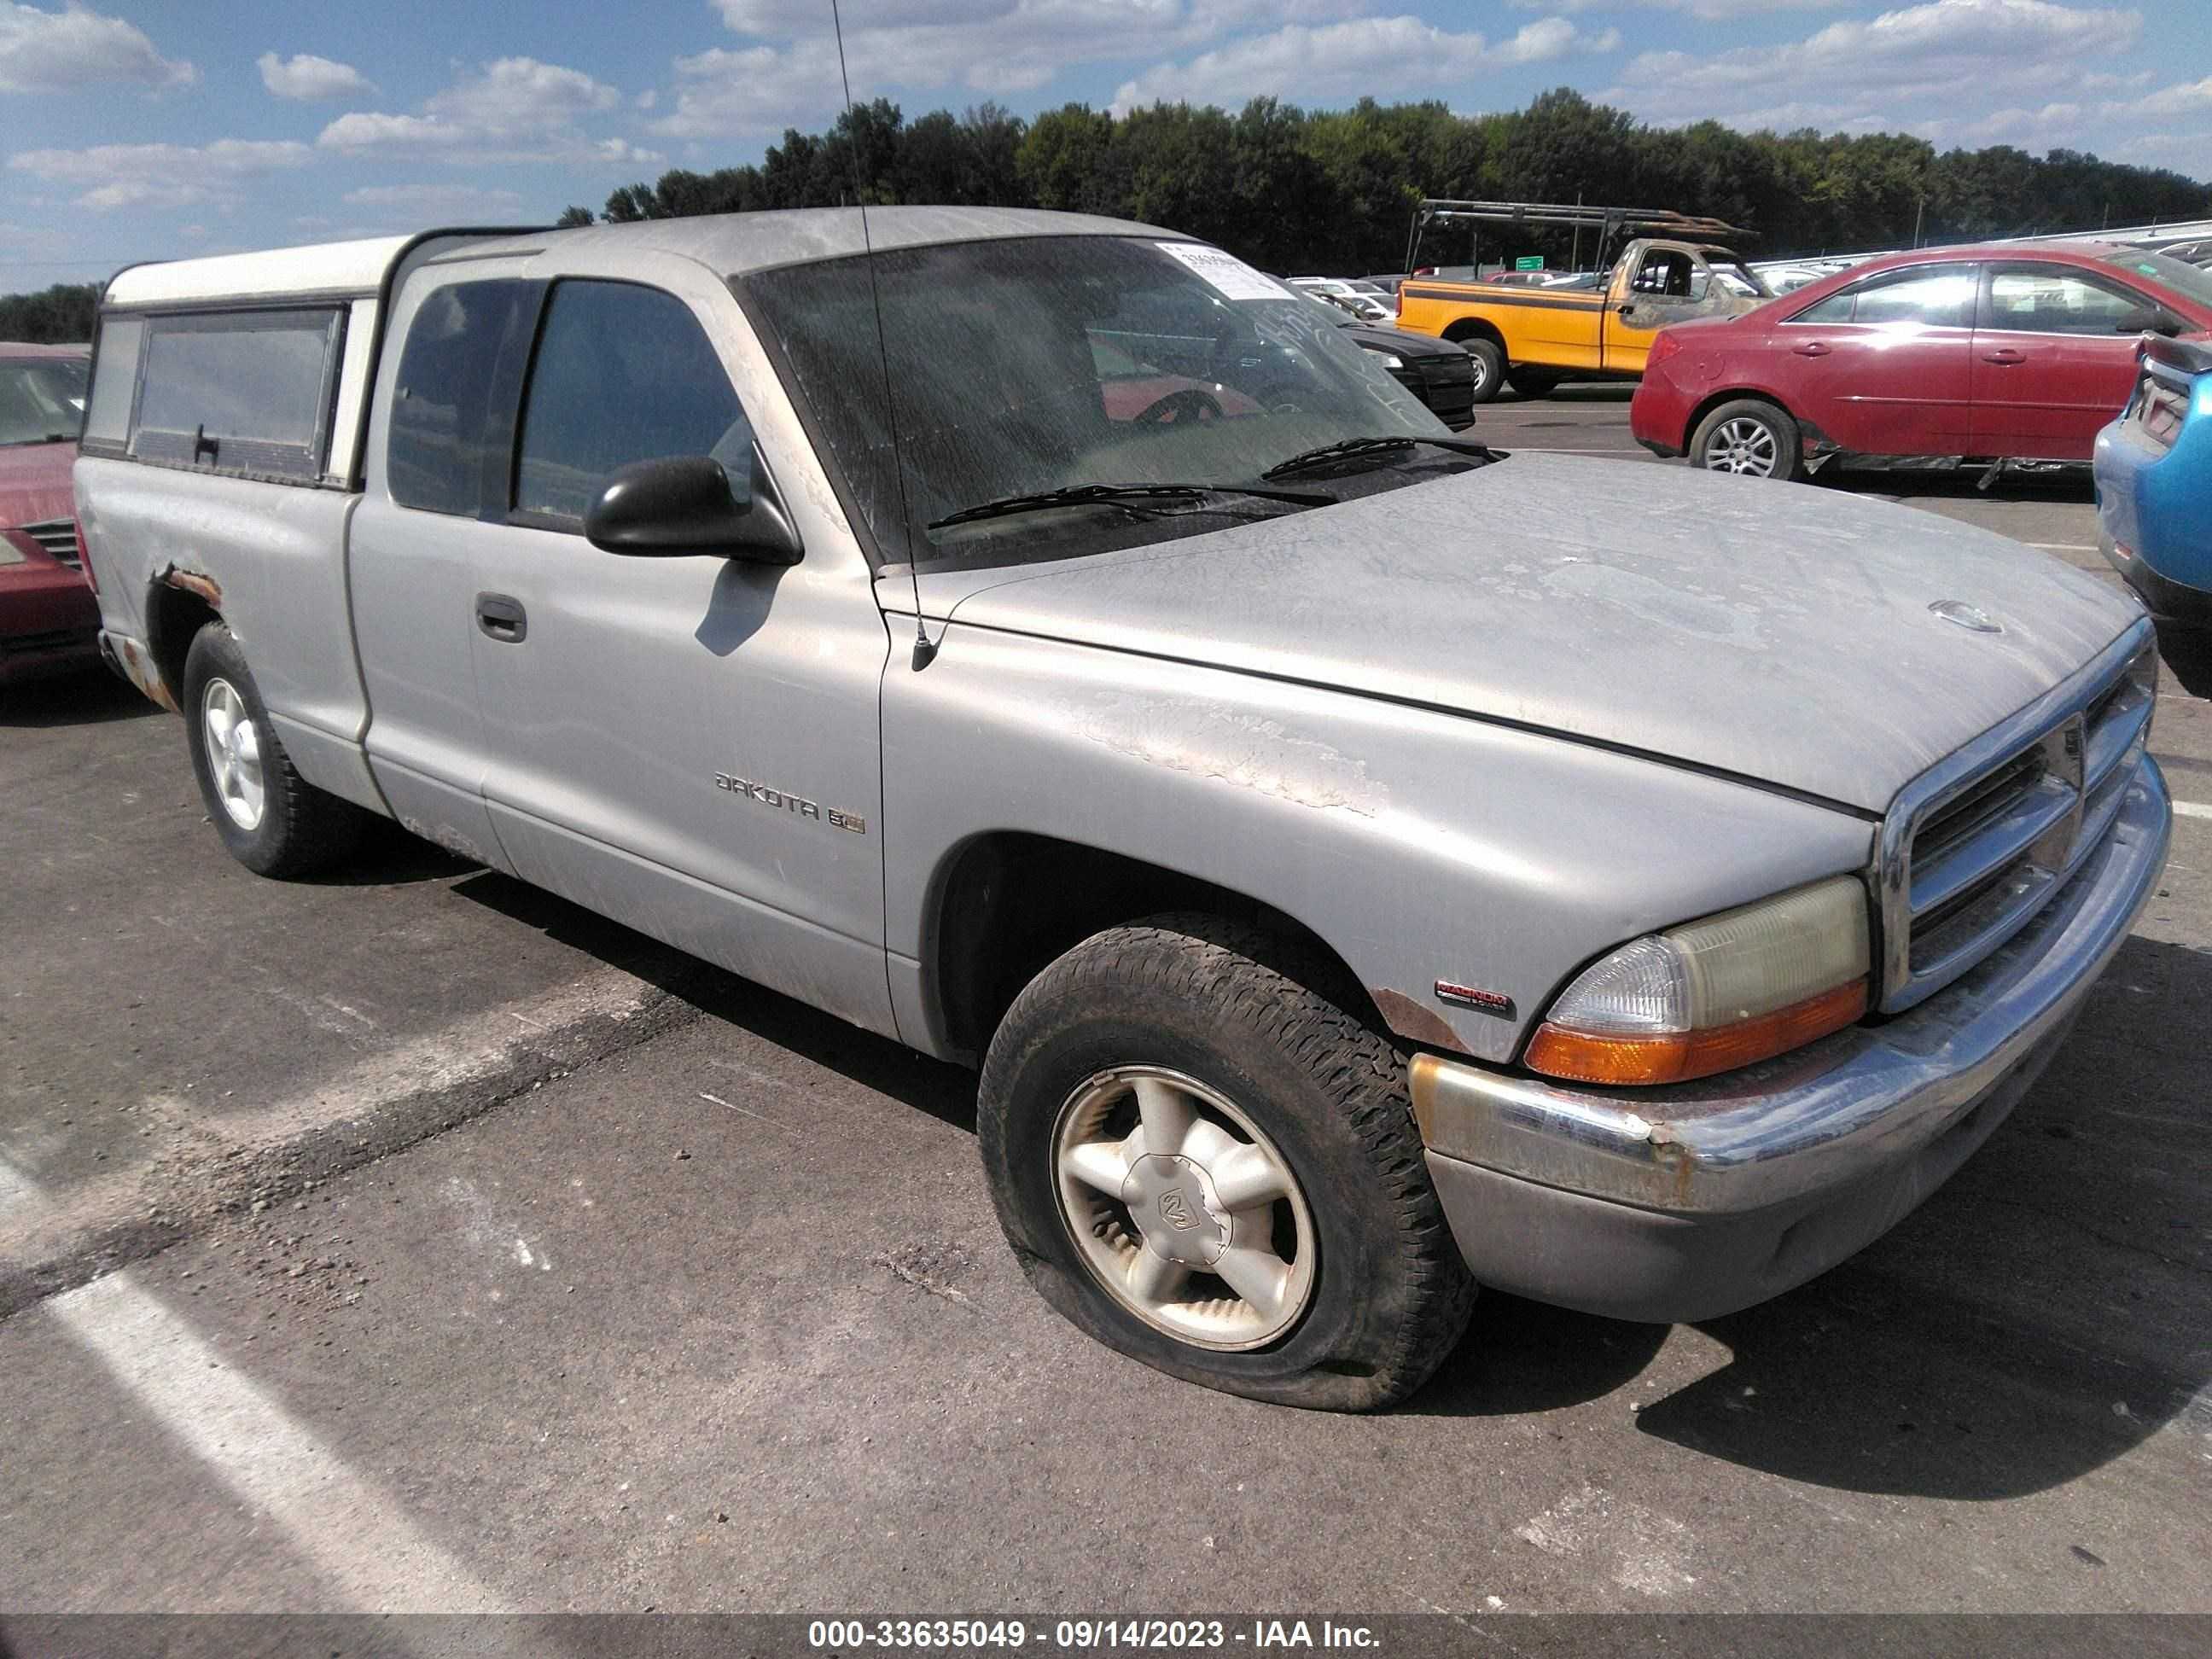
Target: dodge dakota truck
<point>1534,338</point>
<point>1361,864</point>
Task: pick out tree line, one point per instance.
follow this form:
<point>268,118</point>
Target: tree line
<point>1291,188</point>
<point>1296,190</point>
<point>60,315</point>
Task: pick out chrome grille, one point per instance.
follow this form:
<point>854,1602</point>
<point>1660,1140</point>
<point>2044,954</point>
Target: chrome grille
<point>1978,844</point>
<point>59,537</point>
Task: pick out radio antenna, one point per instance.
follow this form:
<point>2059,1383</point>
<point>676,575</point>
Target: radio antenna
<point>923,649</point>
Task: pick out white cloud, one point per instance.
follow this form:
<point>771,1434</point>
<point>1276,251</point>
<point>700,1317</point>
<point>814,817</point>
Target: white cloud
<point>434,198</point>
<point>1710,11</point>
<point>1918,60</point>
<point>306,78</point>
<point>786,74</point>
<point>49,51</point>
<point>161,176</point>
<point>515,109</point>
<point>727,92</point>
<point>2184,98</point>
<point>1401,54</point>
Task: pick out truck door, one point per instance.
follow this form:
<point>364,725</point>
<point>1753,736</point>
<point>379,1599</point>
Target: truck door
<point>2054,359</point>
<point>687,744</point>
<point>439,415</point>
<point>1656,284</point>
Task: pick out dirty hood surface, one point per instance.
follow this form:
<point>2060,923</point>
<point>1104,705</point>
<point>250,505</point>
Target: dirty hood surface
<point>1781,632</point>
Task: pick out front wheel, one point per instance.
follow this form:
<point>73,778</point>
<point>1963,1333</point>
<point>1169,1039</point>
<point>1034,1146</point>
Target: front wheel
<point>1749,437</point>
<point>1209,1165</point>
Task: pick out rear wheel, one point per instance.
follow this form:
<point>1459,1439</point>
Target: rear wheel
<point>1749,436</point>
<point>1489,366</point>
<point>274,822</point>
<point>1209,1165</point>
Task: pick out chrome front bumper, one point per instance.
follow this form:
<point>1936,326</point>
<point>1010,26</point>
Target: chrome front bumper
<point>1684,1201</point>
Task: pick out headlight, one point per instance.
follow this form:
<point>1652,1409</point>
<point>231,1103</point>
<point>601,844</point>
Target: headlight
<point>1390,359</point>
<point>1717,994</point>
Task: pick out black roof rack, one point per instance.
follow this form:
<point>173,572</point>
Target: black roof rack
<point>1607,221</point>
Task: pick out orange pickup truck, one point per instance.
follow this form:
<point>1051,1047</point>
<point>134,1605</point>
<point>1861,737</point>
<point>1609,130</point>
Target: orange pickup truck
<point>1532,338</point>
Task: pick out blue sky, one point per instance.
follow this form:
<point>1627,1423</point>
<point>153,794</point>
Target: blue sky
<point>153,130</point>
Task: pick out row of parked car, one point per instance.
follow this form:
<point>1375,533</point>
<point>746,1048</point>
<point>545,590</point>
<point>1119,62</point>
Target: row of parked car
<point>2004,353</point>
<point>2050,352</point>
<point>2042,353</point>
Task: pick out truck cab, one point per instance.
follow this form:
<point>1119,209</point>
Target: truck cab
<point>1534,338</point>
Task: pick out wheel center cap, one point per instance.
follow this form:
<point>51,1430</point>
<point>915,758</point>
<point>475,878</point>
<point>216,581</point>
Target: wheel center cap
<point>1173,1203</point>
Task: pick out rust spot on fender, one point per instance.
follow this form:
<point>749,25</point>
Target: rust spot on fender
<point>138,668</point>
<point>1415,1023</point>
<point>194,581</point>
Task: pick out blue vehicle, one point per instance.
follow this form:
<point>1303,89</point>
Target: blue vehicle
<point>2154,470</point>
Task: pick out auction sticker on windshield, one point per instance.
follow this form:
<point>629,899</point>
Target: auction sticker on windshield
<point>1227,273</point>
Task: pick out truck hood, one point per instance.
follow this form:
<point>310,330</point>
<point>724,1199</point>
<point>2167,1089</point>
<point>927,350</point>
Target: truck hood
<point>1782,633</point>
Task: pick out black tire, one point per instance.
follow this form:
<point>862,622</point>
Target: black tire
<point>1489,365</point>
<point>301,828</point>
<point>1228,1007</point>
<point>1780,431</point>
<point>1533,382</point>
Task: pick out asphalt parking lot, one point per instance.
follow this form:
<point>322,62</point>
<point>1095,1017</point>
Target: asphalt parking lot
<point>413,1240</point>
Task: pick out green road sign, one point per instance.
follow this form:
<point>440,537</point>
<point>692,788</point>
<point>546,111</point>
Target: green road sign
<point>1529,262</point>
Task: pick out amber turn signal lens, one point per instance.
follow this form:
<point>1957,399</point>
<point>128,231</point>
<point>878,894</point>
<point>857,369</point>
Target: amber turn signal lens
<point>1678,1056</point>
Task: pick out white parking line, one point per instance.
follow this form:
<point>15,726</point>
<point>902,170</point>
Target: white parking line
<point>2060,547</point>
<point>2190,809</point>
<point>371,1557</point>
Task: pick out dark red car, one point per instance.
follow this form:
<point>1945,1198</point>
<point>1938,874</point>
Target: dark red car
<point>2001,352</point>
<point>49,618</point>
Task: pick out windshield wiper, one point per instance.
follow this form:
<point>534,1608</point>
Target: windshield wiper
<point>1083,495</point>
<point>1306,457</point>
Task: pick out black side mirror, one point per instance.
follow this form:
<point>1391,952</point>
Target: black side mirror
<point>687,504</point>
<point>2142,321</point>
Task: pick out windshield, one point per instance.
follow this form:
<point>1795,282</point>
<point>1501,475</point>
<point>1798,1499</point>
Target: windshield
<point>2190,281</point>
<point>1026,365</point>
<point>41,399</point>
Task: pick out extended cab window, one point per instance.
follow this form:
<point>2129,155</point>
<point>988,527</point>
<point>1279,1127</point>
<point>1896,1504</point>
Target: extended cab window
<point>445,420</point>
<point>246,391</point>
<point>623,374</point>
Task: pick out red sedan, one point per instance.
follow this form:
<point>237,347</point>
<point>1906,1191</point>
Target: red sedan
<point>2003,352</point>
<point>49,619</point>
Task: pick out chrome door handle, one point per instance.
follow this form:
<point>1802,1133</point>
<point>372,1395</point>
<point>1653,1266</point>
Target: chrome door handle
<point>501,618</point>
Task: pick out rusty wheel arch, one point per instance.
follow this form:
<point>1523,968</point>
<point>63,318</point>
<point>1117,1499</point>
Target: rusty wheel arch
<point>179,604</point>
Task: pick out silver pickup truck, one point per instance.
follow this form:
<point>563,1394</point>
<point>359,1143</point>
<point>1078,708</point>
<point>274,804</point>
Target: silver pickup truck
<point>1361,864</point>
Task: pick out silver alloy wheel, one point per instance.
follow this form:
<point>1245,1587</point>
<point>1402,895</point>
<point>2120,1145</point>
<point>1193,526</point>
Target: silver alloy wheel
<point>1184,1209</point>
<point>1481,376</point>
<point>233,750</point>
<point>1741,445</point>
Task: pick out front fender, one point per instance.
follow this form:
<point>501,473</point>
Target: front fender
<point>1420,844</point>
